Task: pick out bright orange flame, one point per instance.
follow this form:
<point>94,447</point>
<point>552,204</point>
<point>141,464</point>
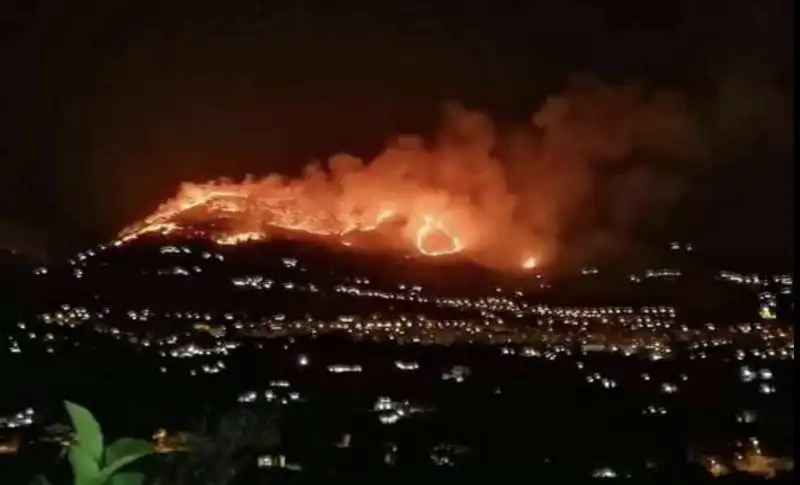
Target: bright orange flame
<point>231,213</point>
<point>238,238</point>
<point>252,217</point>
<point>430,227</point>
<point>471,176</point>
<point>280,211</point>
<point>237,213</point>
<point>160,226</point>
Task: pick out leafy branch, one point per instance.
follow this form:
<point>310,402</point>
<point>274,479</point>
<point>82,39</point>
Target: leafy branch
<point>92,464</point>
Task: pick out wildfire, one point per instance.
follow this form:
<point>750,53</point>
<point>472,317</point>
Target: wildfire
<point>251,217</point>
<point>431,227</point>
<point>447,200</point>
<point>158,226</point>
<point>497,196</point>
<point>237,213</point>
<point>239,238</point>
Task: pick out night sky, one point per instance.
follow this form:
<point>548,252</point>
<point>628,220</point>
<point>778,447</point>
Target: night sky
<point>106,106</point>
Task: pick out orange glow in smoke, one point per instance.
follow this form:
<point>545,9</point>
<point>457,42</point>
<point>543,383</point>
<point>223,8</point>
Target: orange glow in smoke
<point>239,238</point>
<point>280,212</point>
<point>430,228</point>
<point>497,197</point>
<point>237,213</point>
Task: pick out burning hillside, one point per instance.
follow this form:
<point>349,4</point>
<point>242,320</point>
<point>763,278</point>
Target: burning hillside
<point>502,199</point>
<point>231,213</point>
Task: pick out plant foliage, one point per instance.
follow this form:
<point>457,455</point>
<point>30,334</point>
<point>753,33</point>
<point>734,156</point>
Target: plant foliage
<point>94,465</point>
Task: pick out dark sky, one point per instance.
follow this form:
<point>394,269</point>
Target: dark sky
<point>106,106</point>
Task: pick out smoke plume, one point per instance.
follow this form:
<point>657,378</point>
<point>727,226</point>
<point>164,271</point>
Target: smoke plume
<point>577,180</point>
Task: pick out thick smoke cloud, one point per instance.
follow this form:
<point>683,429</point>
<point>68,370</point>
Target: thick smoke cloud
<point>122,104</point>
<point>573,182</point>
<point>602,158</point>
<point>595,167</point>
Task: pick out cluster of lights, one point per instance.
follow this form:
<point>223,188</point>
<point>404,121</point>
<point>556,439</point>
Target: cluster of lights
<point>19,420</point>
<point>406,366</point>
<point>279,393</point>
<point>344,368</point>
<point>504,317</point>
<point>780,280</point>
<point>649,329</point>
<point>70,316</point>
<point>457,373</point>
<point>663,273</point>
<point>391,411</point>
<point>677,246</point>
<point>187,250</point>
<point>194,350</point>
<point>750,459</point>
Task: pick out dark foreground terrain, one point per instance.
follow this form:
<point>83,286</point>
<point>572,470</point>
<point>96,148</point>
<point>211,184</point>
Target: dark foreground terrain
<point>286,370</point>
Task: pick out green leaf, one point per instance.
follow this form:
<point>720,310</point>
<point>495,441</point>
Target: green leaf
<point>115,467</point>
<point>127,447</point>
<point>87,431</point>
<point>127,478</point>
<point>39,480</point>
<point>123,452</point>
<point>84,468</point>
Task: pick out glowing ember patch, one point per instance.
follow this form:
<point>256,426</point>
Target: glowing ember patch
<point>237,205</point>
<point>237,213</point>
<point>239,238</point>
<point>495,196</point>
<point>434,240</point>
